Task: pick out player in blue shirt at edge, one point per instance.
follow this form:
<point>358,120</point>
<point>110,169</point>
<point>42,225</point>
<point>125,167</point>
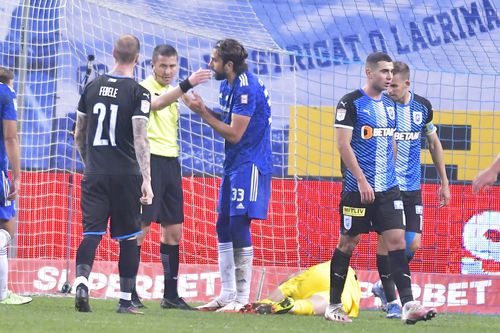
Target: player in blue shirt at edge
<point>414,115</point>
<point>9,154</point>
<point>246,183</point>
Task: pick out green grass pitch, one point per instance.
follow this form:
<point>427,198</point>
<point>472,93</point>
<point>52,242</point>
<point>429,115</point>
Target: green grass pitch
<point>57,314</point>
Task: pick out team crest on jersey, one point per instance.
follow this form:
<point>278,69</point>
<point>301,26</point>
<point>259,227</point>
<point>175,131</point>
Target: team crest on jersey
<point>341,114</point>
<point>244,99</point>
<point>347,222</point>
<point>417,117</point>
<point>391,113</point>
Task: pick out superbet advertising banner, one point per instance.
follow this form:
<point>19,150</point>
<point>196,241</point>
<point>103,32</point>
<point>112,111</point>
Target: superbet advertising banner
<point>446,292</point>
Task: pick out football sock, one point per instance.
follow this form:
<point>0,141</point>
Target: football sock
<point>4,273</point>
<point>4,238</point>
<point>384,271</point>
<point>401,274</point>
<point>243,259</point>
<point>4,263</point>
<point>338,274</point>
<point>128,264</point>
<point>85,255</point>
<point>227,271</point>
<point>170,261</point>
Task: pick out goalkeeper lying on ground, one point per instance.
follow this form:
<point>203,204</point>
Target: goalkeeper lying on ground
<point>308,293</point>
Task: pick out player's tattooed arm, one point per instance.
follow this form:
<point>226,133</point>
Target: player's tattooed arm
<point>141,145</point>
<point>80,134</point>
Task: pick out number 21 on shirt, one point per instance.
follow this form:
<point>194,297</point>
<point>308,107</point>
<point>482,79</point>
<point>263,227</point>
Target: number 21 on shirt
<point>101,110</point>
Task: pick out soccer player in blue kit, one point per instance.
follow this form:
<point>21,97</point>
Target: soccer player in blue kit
<point>414,116</point>
<point>9,154</point>
<point>365,124</point>
<point>246,183</point>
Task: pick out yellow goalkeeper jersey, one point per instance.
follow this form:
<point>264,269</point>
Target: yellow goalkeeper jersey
<point>163,124</point>
<point>316,280</point>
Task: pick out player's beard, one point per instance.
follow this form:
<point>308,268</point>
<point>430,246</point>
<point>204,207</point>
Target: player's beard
<point>220,76</point>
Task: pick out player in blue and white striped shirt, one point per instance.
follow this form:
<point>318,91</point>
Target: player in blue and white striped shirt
<point>413,117</point>
<point>365,125</point>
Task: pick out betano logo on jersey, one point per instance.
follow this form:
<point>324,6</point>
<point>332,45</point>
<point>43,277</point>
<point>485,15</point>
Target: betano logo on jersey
<point>406,136</point>
<point>368,132</point>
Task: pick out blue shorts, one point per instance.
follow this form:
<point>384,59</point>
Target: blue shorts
<point>7,210</point>
<point>245,192</point>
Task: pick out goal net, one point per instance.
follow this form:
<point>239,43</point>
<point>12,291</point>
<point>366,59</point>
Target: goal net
<point>308,54</point>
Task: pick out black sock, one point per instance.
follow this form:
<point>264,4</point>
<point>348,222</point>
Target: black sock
<point>401,274</point>
<point>85,255</point>
<point>134,290</point>
<point>384,271</point>
<point>128,264</point>
<point>338,273</point>
<point>170,261</point>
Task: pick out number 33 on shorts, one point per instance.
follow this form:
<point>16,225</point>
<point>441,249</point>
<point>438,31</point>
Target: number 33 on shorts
<point>237,194</point>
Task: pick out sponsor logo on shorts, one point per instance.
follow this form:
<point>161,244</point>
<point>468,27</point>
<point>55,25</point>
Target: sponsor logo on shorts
<point>353,211</point>
<point>398,204</point>
<point>240,206</point>
<point>347,222</point>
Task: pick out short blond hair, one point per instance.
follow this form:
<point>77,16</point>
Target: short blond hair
<point>126,49</point>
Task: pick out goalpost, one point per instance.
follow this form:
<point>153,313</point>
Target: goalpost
<point>308,54</point>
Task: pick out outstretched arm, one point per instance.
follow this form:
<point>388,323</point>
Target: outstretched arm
<point>232,132</point>
<point>164,100</point>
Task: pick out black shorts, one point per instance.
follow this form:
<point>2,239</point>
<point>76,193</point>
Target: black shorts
<point>385,213</point>
<point>412,201</point>
<point>168,200</point>
<point>114,197</point>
